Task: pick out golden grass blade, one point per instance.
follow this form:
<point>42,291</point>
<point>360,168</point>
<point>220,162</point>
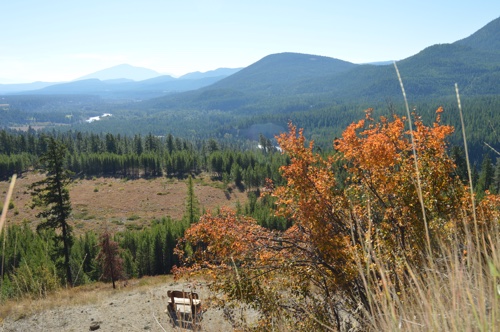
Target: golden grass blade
<point>7,201</point>
<point>492,148</point>
<point>4,216</point>
<point>417,171</point>
<point>473,201</point>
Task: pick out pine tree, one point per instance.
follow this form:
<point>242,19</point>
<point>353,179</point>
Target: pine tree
<point>458,157</point>
<point>52,195</point>
<point>109,258</point>
<point>485,176</point>
<point>192,213</point>
<point>495,186</point>
<point>236,174</point>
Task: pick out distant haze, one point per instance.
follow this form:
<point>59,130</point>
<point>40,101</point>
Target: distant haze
<point>55,41</point>
<point>122,71</point>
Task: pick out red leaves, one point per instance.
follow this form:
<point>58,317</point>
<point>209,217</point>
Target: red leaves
<point>109,258</point>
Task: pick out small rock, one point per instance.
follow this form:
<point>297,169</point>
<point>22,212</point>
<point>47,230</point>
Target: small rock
<point>95,326</point>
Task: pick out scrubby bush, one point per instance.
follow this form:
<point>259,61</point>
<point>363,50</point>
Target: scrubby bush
<point>362,253</point>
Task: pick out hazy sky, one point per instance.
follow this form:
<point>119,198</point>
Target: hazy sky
<point>57,40</point>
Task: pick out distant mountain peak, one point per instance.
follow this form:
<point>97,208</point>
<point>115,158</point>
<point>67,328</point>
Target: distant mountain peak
<point>280,69</point>
<point>122,71</point>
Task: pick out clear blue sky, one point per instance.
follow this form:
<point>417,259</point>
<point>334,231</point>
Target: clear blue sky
<point>60,40</point>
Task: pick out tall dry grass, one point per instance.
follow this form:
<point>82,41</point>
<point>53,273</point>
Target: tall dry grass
<point>456,289</point>
<point>7,201</point>
<point>459,291</point>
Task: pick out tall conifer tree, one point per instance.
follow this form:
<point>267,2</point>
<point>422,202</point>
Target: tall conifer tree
<point>192,213</point>
<point>52,195</point>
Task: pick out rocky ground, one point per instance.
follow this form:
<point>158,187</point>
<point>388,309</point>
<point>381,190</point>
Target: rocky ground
<point>130,308</point>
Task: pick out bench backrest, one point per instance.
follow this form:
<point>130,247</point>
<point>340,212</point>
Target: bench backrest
<point>182,294</point>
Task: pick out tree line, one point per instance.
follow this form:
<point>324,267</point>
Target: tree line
<point>150,156</point>
<point>36,262</point>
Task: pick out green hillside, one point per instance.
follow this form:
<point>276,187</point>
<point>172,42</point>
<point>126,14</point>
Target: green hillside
<point>277,73</point>
<point>473,63</point>
<point>486,38</point>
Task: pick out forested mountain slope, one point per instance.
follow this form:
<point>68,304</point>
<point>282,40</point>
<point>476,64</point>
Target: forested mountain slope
<point>473,63</point>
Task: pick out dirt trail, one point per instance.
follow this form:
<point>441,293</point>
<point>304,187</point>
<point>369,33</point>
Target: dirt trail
<point>133,308</point>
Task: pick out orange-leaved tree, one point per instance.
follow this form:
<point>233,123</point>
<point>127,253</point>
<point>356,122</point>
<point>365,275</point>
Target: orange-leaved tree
<point>243,259</point>
<point>271,271</point>
<point>401,190</point>
<point>384,189</point>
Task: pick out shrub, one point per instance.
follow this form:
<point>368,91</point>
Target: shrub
<point>358,253</point>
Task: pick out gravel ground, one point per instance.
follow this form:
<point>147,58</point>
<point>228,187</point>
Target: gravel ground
<point>129,309</point>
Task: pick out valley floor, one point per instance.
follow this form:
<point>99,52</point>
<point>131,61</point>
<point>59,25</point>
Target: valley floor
<point>118,204</point>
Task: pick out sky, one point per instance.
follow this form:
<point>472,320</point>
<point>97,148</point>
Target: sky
<point>60,40</point>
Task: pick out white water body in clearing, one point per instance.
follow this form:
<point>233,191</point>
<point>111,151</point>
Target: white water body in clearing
<point>97,118</point>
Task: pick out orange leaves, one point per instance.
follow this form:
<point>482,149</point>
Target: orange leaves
<point>374,147</point>
<point>489,208</point>
<point>310,180</point>
<point>218,240</point>
<point>312,200</point>
<point>381,164</point>
<point>381,190</point>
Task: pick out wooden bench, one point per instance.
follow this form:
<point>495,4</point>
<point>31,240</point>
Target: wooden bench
<point>184,308</point>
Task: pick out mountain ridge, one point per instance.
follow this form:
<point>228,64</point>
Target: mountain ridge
<point>122,71</point>
<point>293,77</point>
<point>472,62</point>
<point>487,38</point>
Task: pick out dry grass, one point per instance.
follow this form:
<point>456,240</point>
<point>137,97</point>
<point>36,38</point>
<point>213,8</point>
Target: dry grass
<point>123,203</point>
<point>8,196</point>
<point>76,296</point>
<point>458,292</point>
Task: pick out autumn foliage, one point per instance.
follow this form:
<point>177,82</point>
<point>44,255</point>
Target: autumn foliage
<point>400,201</point>
<point>383,190</point>
<point>109,258</point>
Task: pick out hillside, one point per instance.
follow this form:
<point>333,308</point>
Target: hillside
<point>487,38</point>
<point>123,82</point>
<point>123,89</point>
<point>473,63</point>
<point>277,72</point>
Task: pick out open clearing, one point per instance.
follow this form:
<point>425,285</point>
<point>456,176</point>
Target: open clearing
<point>120,203</point>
